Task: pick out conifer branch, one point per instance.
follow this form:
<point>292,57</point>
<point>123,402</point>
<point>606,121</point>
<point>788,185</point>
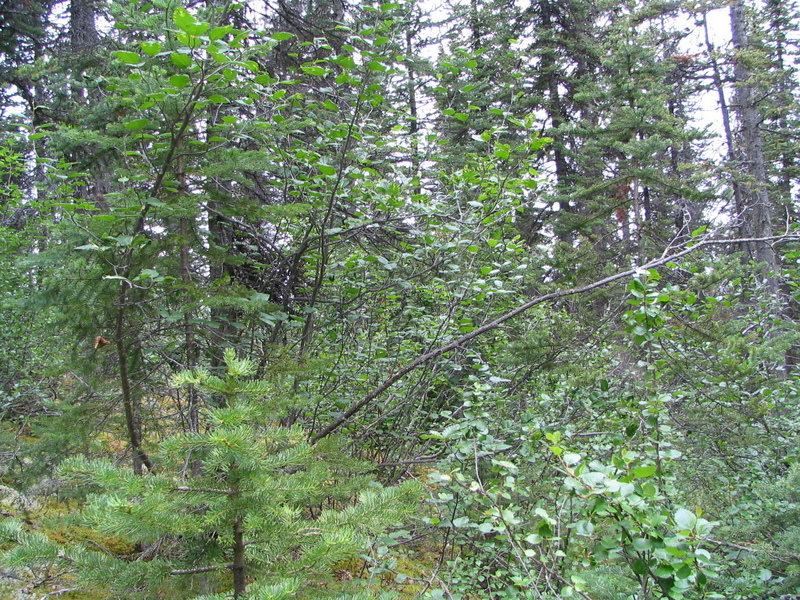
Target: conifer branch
<point>201,490</point>
<point>665,258</point>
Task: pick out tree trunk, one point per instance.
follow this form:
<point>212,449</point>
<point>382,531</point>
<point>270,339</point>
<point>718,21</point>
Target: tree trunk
<point>132,419</point>
<point>83,31</point>
<point>238,563</point>
<point>756,212</point>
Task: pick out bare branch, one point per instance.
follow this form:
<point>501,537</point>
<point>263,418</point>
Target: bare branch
<point>199,570</point>
<point>665,258</point>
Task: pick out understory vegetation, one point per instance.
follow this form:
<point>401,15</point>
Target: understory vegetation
<point>481,301</point>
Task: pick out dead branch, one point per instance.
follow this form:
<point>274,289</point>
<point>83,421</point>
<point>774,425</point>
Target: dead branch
<point>665,258</point>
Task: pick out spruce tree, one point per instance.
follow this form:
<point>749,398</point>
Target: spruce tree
<point>264,515</point>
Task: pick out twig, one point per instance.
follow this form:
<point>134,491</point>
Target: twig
<point>199,570</point>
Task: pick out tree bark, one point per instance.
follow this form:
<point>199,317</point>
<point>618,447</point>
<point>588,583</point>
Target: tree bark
<point>755,214</point>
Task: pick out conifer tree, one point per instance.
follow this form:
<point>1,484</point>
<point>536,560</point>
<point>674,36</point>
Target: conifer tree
<point>267,508</point>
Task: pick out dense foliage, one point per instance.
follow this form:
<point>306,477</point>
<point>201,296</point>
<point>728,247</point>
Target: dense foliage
<point>488,300</point>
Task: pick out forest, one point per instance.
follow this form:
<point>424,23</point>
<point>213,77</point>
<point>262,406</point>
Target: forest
<point>447,300</point>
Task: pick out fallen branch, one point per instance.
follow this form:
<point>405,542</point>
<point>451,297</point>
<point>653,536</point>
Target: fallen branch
<point>665,258</point>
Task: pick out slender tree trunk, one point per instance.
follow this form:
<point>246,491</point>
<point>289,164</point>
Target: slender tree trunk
<point>726,117</point>
<point>190,352</point>
<point>413,121</point>
<point>238,563</point>
<point>757,215</point>
<point>130,406</point>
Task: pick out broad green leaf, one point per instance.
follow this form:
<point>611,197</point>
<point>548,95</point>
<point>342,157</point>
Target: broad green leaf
<point>584,528</point>
<point>645,471</point>
<point>186,22</point>
<point>663,571</point>
<point>180,60</point>
<point>137,124</point>
<point>282,36</point>
<point>219,32</point>
<point>130,58</point>
<point>684,572</point>
<point>685,519</point>
<point>315,71</point>
<point>642,544</point>
<point>639,566</point>
<point>179,81</point>
<point>326,169</point>
<point>534,539</point>
<point>151,48</point>
<point>124,240</point>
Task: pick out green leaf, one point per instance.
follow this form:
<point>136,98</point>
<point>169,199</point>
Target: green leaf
<point>217,99</point>
<point>664,571</point>
<point>584,528</point>
<point>124,240</point>
<point>181,61</point>
<point>699,231</point>
<point>179,81</point>
<point>639,566</point>
<point>186,22</point>
<point>534,539</point>
<point>151,48</point>
<point>645,471</point>
<point>183,18</point>
<point>315,71</point>
<point>137,124</point>
<point>642,544</point>
<point>219,32</point>
<point>282,36</point>
<point>130,58</point>
<point>685,519</point>
<point>326,169</point>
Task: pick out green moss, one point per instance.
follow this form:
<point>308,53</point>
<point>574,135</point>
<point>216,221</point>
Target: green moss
<point>72,534</point>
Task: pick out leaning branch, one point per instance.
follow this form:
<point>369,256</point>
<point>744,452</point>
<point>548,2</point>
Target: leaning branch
<point>665,258</point>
